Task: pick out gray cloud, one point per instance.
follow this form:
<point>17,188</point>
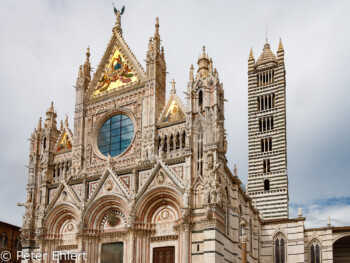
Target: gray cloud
<point>44,42</point>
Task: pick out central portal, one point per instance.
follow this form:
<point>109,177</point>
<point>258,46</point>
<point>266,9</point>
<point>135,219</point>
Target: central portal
<point>164,255</point>
<point>112,252</point>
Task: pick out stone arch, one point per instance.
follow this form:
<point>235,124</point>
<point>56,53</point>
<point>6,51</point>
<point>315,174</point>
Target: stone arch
<point>96,212</point>
<point>340,237</point>
<point>341,249</point>
<point>150,203</point>
<point>58,217</point>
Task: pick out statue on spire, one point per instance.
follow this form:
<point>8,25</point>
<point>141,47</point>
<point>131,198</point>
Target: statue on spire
<point>121,12</point>
<point>118,13</point>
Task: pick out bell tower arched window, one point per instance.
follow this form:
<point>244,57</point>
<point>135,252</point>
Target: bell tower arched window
<point>267,185</point>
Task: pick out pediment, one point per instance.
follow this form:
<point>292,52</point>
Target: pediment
<point>161,176</point>
<point>118,68</point>
<point>109,184</point>
<point>64,194</point>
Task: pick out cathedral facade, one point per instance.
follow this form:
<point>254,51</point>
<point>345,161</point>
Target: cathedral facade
<point>142,178</point>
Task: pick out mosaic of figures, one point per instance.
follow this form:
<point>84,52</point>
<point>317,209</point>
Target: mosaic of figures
<point>117,73</point>
<point>65,143</point>
<point>173,114</point>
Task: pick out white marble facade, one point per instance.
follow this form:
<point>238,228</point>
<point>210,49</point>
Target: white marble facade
<point>170,187</point>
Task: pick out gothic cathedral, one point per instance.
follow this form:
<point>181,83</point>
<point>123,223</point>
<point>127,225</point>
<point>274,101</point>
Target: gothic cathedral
<point>144,178</point>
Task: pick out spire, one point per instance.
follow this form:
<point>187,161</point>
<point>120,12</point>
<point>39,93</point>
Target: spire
<point>251,55</point>
<point>280,46</point>
<point>156,38</point>
<point>66,120</point>
<point>87,66</point>
<point>51,109</point>
<point>50,117</point>
<point>251,61</point>
<point>267,57</point>
<point>173,90</point>
<point>61,126</point>
<point>203,64</point>
<point>191,73</point>
<point>235,170</point>
<point>280,52</point>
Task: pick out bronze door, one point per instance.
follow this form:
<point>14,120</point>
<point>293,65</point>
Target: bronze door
<point>164,255</point>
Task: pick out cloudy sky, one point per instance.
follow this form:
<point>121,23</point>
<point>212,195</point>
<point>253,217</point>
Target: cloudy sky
<point>44,42</point>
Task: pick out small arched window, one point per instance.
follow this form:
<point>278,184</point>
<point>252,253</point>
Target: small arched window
<point>280,249</point>
<point>200,100</point>
<point>266,184</point>
<point>315,252</point>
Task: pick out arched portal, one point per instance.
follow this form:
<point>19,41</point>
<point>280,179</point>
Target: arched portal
<point>341,250</point>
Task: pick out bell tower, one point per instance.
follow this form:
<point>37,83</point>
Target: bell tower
<point>268,179</point>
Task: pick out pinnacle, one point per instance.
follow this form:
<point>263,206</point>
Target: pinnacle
<point>39,124</point>
<point>280,46</point>
<point>173,90</point>
<point>251,55</point>
<point>88,53</point>
<point>156,33</point>
<point>157,23</point>
<point>191,72</point>
<point>51,109</point>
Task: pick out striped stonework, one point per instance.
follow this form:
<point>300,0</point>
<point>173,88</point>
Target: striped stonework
<point>268,180</point>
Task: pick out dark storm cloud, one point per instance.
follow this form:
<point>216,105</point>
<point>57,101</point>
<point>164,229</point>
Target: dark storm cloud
<point>44,42</point>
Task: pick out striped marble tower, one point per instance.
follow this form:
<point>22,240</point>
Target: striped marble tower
<point>268,180</point>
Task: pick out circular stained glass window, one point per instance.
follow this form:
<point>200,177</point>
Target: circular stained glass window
<point>115,135</point>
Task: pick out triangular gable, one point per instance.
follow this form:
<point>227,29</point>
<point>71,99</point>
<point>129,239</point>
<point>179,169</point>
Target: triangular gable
<point>118,68</point>
<point>173,112</point>
<point>70,196</point>
<point>167,174</point>
<point>109,182</point>
<point>64,142</point>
